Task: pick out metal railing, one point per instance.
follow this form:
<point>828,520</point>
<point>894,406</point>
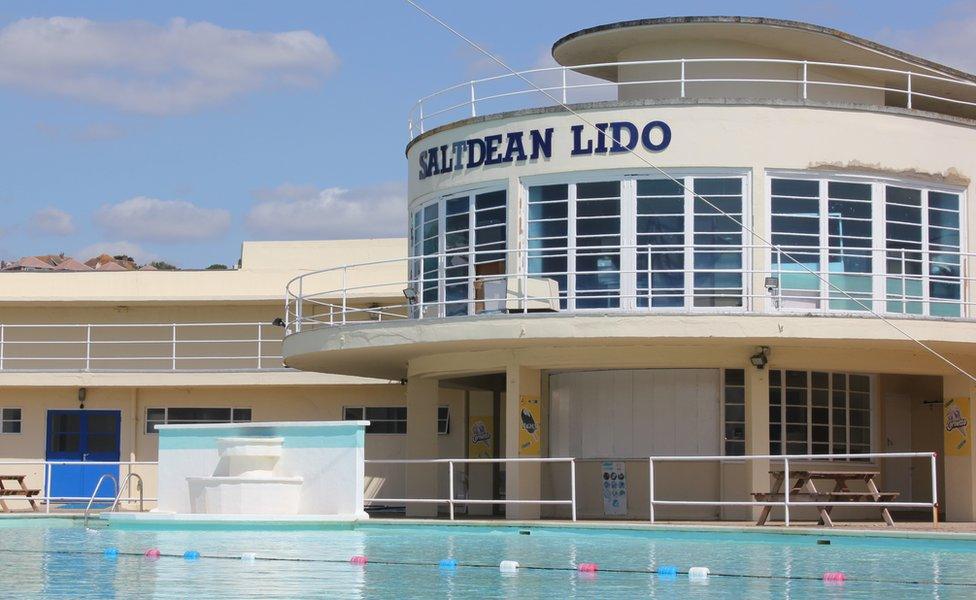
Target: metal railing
<point>452,498</point>
<point>45,472</point>
<point>140,347</point>
<point>677,78</point>
<point>910,284</point>
<point>787,503</point>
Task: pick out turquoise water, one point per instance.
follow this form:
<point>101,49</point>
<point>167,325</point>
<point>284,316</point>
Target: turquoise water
<point>60,559</point>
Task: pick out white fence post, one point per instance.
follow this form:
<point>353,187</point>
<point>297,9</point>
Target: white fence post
<point>650,488</point>
<point>572,485</point>
<point>450,488</point>
<point>909,87</point>
<point>805,80</point>
<point>786,491</point>
<point>260,352</point>
<point>474,112</point>
<point>564,85</point>
<point>88,347</point>
<point>47,486</point>
<point>935,490</point>
<point>174,347</point>
<point>682,78</point>
<point>1,346</point>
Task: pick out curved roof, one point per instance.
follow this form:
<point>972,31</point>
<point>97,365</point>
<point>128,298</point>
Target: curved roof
<point>806,41</point>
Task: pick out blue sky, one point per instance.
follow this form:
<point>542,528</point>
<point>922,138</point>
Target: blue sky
<point>175,130</point>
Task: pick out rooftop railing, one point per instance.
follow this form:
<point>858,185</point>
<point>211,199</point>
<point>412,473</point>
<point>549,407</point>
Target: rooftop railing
<point>140,347</point>
<point>637,279</point>
<point>686,77</point>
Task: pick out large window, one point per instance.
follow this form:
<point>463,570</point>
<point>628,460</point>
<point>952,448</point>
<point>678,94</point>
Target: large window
<point>470,231</point>
<point>734,402</point>
<point>10,420</point>
<point>382,419</point>
<point>163,416</point>
<point>640,242</point>
<point>835,237</point>
<point>812,412</point>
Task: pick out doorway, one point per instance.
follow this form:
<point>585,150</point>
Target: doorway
<point>83,436</point>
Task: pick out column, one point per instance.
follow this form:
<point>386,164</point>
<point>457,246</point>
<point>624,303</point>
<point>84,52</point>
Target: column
<point>523,481</point>
<point>421,479</point>
<point>757,432</point>
<point>959,459</point>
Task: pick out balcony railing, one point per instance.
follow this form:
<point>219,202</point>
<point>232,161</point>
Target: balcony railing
<point>637,279</point>
<point>686,77</point>
<point>139,347</point>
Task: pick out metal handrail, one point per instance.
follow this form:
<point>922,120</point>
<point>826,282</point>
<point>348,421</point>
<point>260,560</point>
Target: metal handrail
<point>95,493</point>
<point>125,486</point>
<point>469,100</point>
<point>387,301</point>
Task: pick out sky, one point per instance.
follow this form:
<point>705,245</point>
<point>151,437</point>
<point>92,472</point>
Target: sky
<point>176,130</point>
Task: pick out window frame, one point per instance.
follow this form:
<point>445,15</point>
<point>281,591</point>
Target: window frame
<point>628,231</point>
<point>4,420</point>
<point>150,424</point>
<point>362,408</point>
<point>880,299</point>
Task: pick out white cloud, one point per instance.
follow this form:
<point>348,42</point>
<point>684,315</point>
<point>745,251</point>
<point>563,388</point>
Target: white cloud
<point>151,219</point>
<point>294,212</point>
<point>155,69</point>
<point>136,251</point>
<point>52,221</point>
<point>951,40</point>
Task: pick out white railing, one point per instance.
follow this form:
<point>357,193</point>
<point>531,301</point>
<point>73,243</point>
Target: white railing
<point>452,498</point>
<point>807,79</point>
<point>44,470</point>
<point>787,503</point>
<point>140,347</point>
<point>412,288</point>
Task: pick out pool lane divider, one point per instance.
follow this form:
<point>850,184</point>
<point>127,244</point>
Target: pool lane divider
<point>112,553</point>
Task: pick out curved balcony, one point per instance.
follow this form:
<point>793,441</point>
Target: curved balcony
<point>770,80</point>
<point>637,280</point>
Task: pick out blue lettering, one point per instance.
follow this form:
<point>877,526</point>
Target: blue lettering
<point>541,143</point>
<point>458,154</point>
<point>472,144</point>
<point>514,147</point>
<point>577,148</point>
<point>445,165</point>
<point>601,138</point>
<point>423,165</point>
<point>432,162</point>
<point>616,129</point>
<point>665,136</point>
<point>492,142</point>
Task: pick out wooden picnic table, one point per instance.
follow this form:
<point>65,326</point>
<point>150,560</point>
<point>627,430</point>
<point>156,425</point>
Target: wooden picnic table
<point>803,489</point>
<point>23,490</point>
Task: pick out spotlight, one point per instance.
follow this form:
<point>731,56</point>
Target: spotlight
<point>278,322</point>
<point>82,394</point>
<point>760,358</point>
<point>410,294</point>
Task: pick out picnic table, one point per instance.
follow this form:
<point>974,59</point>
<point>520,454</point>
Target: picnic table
<point>23,490</point>
<point>803,489</point>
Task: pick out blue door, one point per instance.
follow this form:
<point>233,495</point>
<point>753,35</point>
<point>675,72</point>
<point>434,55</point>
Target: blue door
<point>83,436</point>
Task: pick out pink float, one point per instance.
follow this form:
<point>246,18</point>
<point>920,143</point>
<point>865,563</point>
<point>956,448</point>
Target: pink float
<point>152,554</point>
<point>358,560</point>
<point>587,568</point>
<point>834,577</point>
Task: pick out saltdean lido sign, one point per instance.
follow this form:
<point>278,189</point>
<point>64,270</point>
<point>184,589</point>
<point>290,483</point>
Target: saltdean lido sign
<point>521,146</point>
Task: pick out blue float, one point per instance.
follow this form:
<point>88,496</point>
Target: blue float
<point>111,553</point>
<point>448,564</point>
<point>667,572</point>
<point>191,555</point>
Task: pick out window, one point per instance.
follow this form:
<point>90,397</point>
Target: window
<point>443,420</point>
<point>10,420</point>
<point>171,416</point>
<point>612,244</point>
<point>735,412</point>
<point>382,419</point>
<point>471,231</point>
<point>812,412</point>
<point>845,231</point>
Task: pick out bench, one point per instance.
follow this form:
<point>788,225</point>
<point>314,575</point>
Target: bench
<point>803,490</point>
<point>22,491</point>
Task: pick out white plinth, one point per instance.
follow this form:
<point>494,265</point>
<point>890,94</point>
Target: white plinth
<point>245,495</point>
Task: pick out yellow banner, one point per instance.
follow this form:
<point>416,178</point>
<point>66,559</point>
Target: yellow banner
<point>481,437</point>
<point>530,411</point>
<point>956,427</point>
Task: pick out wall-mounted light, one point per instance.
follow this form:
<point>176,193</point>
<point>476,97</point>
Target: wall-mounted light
<point>82,394</point>
<point>760,358</point>
<point>410,294</point>
<point>278,322</point>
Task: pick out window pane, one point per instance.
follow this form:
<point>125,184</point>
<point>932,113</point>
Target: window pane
<point>352,414</point>
<point>242,415</point>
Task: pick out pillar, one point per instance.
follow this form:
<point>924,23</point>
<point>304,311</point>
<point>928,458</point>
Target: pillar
<point>757,432</point>
<point>960,463</point>
<point>421,479</point>
<point>481,405</point>
<point>523,481</point>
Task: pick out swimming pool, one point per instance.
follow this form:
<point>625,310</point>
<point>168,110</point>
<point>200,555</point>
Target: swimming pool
<point>58,558</point>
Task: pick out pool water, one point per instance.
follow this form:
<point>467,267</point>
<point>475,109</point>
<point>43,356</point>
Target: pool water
<point>58,558</point>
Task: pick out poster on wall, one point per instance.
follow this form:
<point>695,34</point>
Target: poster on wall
<point>481,437</point>
<point>530,412</point>
<point>614,489</point>
<point>956,431</point>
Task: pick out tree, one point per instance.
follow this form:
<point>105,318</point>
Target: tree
<point>217,267</point>
<point>162,265</point>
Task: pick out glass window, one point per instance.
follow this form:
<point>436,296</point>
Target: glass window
<point>735,412</point>
<point>10,420</point>
<point>443,420</point>
<point>471,231</point>
<point>382,419</point>
<point>162,416</point>
<point>819,413</point>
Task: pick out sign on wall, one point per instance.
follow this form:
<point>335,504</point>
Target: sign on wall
<point>614,489</point>
<point>481,436</point>
<point>530,414</point>
<point>956,426</point>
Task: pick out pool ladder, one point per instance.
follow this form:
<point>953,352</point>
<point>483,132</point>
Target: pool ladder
<point>118,493</point>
